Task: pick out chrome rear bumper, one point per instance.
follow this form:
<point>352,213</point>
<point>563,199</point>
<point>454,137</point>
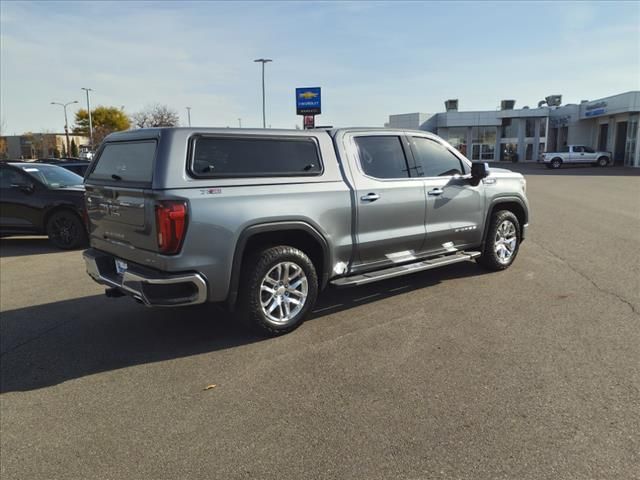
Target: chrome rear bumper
<point>150,287</point>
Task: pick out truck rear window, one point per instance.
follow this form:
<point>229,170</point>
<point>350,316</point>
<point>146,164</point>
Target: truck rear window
<point>254,157</point>
<point>126,162</point>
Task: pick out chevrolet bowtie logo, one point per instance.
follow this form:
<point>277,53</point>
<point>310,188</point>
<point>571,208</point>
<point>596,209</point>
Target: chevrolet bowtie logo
<point>308,95</point>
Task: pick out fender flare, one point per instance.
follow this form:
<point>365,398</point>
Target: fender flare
<point>252,230</point>
<point>497,201</point>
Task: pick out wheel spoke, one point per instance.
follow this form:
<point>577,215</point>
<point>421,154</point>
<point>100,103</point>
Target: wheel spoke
<point>287,310</point>
<point>264,288</point>
<point>273,305</point>
<point>270,280</point>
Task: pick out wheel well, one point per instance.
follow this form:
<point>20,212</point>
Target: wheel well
<point>556,158</point>
<point>516,208</point>
<point>60,208</point>
<point>299,239</point>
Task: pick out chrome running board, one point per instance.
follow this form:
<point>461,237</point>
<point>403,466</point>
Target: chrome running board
<point>400,270</point>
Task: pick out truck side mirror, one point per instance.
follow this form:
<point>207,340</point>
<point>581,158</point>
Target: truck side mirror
<point>479,170</point>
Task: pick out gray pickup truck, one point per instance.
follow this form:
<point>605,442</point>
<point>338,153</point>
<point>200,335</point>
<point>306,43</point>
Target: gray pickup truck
<point>265,219</point>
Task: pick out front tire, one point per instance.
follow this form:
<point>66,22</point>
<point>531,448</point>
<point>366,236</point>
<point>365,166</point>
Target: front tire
<point>502,243</point>
<point>603,162</point>
<point>65,230</point>
<point>280,287</point>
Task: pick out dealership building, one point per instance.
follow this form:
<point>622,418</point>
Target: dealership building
<point>607,124</point>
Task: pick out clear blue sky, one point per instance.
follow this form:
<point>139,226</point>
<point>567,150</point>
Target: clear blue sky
<point>371,59</point>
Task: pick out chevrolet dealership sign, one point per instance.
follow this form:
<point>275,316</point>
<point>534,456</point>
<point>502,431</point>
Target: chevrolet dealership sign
<point>308,101</point>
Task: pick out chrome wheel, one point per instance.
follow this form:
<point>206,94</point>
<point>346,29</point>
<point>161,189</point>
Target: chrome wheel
<point>505,242</point>
<point>283,292</point>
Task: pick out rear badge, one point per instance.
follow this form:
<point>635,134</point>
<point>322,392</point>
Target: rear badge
<point>210,191</point>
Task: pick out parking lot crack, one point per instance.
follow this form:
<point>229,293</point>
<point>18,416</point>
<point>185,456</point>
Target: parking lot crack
<point>633,308</point>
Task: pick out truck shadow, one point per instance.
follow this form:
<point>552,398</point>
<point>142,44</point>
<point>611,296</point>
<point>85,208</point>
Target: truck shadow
<point>45,345</point>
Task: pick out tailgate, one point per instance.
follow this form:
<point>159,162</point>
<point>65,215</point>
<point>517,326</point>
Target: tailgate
<point>120,202</point>
<point>122,215</point>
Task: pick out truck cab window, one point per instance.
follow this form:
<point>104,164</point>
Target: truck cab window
<point>382,156</point>
<point>434,159</point>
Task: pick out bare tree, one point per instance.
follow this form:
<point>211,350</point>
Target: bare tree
<point>155,116</point>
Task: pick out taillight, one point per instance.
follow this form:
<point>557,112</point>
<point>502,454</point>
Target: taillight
<point>171,224</point>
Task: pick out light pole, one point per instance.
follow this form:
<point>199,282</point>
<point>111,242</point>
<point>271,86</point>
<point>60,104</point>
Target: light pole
<point>87,90</point>
<point>239,123</point>
<point>189,115</point>
<point>66,123</point>
<point>263,61</point>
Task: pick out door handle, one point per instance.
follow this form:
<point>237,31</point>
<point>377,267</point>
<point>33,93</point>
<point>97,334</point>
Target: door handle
<point>435,192</point>
<point>370,197</point>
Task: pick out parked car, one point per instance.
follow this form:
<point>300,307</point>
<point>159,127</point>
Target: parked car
<point>42,199</point>
<point>576,154</point>
<point>75,165</point>
<point>265,219</point>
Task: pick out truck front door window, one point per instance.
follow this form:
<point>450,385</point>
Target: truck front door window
<point>434,159</point>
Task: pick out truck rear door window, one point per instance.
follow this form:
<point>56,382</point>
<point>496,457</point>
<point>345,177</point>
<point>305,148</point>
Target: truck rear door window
<point>254,157</point>
<point>126,162</point>
<point>382,156</point>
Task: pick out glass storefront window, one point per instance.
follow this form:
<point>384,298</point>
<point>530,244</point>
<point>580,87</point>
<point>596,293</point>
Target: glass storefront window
<point>509,128</point>
<point>630,144</point>
<point>543,128</point>
<point>457,137</point>
<point>528,151</point>
<point>484,135</point>
<point>530,127</point>
<point>484,143</point>
<point>509,152</point>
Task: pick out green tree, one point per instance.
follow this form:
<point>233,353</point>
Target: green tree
<point>74,148</point>
<point>105,121</point>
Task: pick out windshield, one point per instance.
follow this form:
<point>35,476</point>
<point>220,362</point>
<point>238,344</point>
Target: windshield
<point>52,176</point>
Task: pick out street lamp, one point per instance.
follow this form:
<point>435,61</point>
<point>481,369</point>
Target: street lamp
<point>263,61</point>
<point>239,123</point>
<point>66,123</point>
<point>87,90</point>
<point>189,115</point>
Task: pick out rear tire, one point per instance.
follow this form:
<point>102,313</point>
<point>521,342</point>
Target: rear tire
<point>65,230</point>
<point>279,288</point>
<point>502,242</point>
<point>602,162</point>
<point>556,163</point>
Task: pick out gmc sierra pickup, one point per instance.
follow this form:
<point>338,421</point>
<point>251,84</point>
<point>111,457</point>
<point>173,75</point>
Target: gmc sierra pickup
<point>265,219</point>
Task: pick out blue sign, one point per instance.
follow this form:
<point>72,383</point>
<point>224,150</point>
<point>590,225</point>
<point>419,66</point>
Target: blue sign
<point>308,101</point>
<point>597,111</point>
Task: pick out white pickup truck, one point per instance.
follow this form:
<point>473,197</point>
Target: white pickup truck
<point>576,154</point>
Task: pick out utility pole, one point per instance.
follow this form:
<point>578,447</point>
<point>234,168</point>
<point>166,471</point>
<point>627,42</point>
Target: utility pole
<point>66,123</point>
<point>263,61</point>
<point>239,123</point>
<point>189,115</point>
<point>87,90</point>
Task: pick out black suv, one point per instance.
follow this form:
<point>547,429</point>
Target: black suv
<point>75,165</point>
<point>37,199</point>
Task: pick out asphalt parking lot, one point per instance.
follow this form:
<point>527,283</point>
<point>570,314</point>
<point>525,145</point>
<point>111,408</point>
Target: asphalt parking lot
<point>531,373</point>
